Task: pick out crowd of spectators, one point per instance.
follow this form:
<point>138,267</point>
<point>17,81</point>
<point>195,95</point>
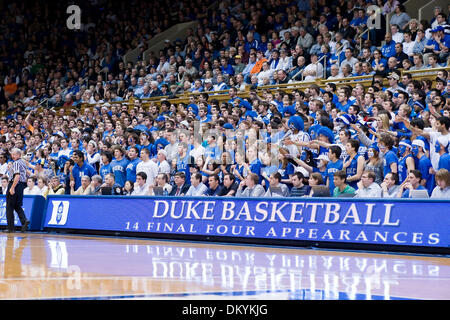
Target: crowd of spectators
<point>341,140</point>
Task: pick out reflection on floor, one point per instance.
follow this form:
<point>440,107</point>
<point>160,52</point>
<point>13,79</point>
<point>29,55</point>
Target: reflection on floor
<point>51,266</point>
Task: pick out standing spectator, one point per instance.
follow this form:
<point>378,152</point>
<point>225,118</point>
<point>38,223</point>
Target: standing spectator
<point>119,166</point>
<point>148,166</point>
<point>81,168</point>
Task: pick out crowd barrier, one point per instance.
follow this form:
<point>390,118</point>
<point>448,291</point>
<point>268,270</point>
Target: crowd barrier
<point>34,207</point>
<point>398,224</point>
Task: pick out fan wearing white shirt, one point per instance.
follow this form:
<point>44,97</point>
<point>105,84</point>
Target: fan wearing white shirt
<point>197,188</point>
<point>148,166</point>
<point>408,44</point>
<point>163,165</point>
<point>367,187</point>
<point>141,187</point>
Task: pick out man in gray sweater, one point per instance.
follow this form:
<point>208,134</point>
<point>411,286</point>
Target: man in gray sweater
<point>253,188</point>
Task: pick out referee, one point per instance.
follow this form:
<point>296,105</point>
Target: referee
<point>17,175</point>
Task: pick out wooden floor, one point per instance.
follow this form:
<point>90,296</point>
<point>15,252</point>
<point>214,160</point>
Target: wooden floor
<point>54,266</point>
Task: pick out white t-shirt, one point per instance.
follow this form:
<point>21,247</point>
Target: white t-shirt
<point>34,191</point>
<point>150,168</point>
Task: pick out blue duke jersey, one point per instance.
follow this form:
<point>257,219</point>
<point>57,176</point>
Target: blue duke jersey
<point>402,168</point>
<point>352,170</point>
<point>118,168</point>
<point>332,168</point>
<point>183,165</point>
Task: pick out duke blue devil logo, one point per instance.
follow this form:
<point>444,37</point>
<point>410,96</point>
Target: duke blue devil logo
<point>59,213</point>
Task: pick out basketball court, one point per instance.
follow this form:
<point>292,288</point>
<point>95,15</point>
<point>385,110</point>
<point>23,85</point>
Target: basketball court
<point>62,266</point>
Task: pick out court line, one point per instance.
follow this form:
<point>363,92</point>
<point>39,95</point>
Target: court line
<point>237,244</point>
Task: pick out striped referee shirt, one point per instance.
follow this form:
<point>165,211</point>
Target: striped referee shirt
<point>19,167</point>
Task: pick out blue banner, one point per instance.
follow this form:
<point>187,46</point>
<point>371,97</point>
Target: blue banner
<point>418,223</point>
<point>33,206</point>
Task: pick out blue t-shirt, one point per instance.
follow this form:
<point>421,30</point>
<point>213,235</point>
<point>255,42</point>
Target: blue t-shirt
<point>131,169</point>
<point>268,170</point>
<point>104,170</point>
<point>444,162</point>
<point>424,166</point>
<point>118,167</point>
<point>255,167</point>
<point>213,152</point>
<point>85,170</point>
<point>389,158</point>
<point>406,192</point>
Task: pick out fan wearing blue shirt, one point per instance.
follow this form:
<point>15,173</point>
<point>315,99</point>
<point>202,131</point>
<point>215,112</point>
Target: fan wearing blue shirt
<point>343,101</point>
<point>119,166</point>
<point>212,150</point>
<point>444,157</point>
<point>255,164</point>
<point>334,165</point>
<point>81,168</point>
<point>133,155</point>
<point>390,159</point>
<point>388,50</point>
<point>406,162</point>
<point>106,164</point>
<point>412,183</point>
<point>424,164</point>
<point>354,163</point>
<point>184,159</point>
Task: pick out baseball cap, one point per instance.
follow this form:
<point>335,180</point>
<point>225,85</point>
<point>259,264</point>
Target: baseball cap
<point>238,57</point>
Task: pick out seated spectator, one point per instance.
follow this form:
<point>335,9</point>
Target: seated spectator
<point>411,183</point>
<point>31,188</point>
<point>140,187</point>
<point>230,185</point>
<point>442,189</point>
<point>215,187</point>
<point>341,187</point>
<point>84,189</point>
<point>110,187</point>
<point>4,185</point>
<point>390,186</point>
<point>56,187</point>
<point>181,187</point>
<point>252,187</point>
<point>197,188</point>
<point>367,187</point>
<point>299,189</point>
<point>276,188</point>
